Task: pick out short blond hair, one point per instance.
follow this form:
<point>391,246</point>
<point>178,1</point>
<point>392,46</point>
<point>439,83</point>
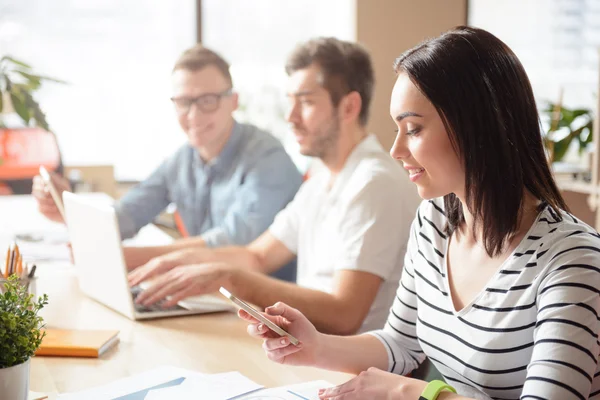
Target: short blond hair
<point>199,57</point>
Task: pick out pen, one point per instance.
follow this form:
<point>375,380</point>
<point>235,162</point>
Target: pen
<point>11,268</point>
<point>32,272</point>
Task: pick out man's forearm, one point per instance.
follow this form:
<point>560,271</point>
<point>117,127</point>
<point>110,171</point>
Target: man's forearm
<point>136,256</point>
<point>328,313</point>
<point>237,256</point>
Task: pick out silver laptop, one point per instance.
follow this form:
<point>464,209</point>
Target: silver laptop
<point>98,254</point>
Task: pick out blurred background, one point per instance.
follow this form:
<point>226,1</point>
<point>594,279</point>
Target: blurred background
<point>116,58</point>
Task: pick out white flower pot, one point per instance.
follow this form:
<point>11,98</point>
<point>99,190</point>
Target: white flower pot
<point>14,382</point>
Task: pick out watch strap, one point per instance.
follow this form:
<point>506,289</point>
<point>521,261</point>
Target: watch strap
<point>433,390</point>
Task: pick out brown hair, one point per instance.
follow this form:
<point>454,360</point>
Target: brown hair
<point>198,57</point>
<point>482,93</point>
<point>346,68</point>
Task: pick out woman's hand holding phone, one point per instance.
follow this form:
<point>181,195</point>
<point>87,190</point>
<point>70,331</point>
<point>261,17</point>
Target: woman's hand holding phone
<point>278,348</point>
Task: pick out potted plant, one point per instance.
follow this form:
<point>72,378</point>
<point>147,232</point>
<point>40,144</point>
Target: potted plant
<point>25,138</point>
<point>18,82</point>
<point>567,125</point>
<point>20,336</point>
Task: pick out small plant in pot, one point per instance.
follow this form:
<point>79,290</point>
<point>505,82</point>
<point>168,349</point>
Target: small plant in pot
<point>20,336</point>
<point>26,141</point>
<point>567,126</point>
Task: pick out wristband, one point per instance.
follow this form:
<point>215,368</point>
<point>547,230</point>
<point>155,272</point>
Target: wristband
<point>433,390</point>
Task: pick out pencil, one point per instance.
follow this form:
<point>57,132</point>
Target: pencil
<point>17,257</point>
<point>19,267</point>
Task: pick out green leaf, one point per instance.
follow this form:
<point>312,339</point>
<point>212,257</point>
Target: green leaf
<point>585,137</point>
<point>15,61</point>
<point>562,123</point>
<point>1,100</point>
<point>20,324</point>
<point>19,106</point>
<point>39,77</point>
<point>50,79</point>
<point>33,81</point>
<point>579,112</point>
<point>34,109</point>
<point>39,117</point>
<point>568,120</point>
<point>561,147</point>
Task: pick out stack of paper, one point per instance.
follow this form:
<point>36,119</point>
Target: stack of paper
<point>135,387</point>
<point>167,383</point>
<point>233,385</point>
<point>301,391</point>
<point>224,386</point>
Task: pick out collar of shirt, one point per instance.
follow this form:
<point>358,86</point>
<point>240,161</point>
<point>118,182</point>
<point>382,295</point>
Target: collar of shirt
<point>368,145</point>
<point>227,154</point>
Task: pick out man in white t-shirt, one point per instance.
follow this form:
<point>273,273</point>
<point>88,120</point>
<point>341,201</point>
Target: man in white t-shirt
<point>348,224</point>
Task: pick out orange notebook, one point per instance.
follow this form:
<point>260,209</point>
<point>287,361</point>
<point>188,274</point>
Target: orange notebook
<point>77,343</point>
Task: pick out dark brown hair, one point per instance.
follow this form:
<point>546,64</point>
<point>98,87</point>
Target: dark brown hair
<point>346,68</point>
<point>198,57</point>
<point>485,100</point>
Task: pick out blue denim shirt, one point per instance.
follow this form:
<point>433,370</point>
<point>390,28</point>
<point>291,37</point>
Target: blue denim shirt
<point>228,201</point>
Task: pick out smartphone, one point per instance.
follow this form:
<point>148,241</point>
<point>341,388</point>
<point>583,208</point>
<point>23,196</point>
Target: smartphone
<point>256,314</point>
<point>53,192</point>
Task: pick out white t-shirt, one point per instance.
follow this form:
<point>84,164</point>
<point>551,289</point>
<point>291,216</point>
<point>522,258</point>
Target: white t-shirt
<point>361,223</point>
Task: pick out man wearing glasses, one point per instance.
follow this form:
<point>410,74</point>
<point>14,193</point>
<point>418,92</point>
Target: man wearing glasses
<point>348,225</point>
<point>228,182</point>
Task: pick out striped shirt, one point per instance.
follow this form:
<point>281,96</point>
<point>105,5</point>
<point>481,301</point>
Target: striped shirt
<point>531,333</point>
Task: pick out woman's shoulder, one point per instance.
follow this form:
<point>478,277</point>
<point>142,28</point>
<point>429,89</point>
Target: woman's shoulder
<point>432,210</point>
<point>431,218</point>
<point>566,255</point>
<point>562,232</point>
<point>560,223</point>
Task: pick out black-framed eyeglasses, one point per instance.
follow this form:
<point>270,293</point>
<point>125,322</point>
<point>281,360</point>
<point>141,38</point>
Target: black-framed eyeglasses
<point>207,103</point>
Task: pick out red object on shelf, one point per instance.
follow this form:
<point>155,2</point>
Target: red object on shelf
<point>23,150</point>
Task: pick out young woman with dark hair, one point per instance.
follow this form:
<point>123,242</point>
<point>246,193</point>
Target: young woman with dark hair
<point>500,287</point>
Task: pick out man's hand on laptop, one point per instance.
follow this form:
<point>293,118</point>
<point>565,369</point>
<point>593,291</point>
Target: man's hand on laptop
<point>42,195</point>
<point>160,265</point>
<point>185,281</point>
<point>135,256</point>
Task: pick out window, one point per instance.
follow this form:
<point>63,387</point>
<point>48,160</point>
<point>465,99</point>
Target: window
<point>557,41</point>
<point>256,37</point>
<point>117,57</point>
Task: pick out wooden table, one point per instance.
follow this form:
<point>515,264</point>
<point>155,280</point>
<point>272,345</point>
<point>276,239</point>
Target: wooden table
<point>209,343</point>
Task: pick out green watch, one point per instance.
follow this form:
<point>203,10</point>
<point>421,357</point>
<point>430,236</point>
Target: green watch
<point>433,389</point>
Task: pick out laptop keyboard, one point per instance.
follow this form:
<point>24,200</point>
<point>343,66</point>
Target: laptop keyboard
<point>136,290</point>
